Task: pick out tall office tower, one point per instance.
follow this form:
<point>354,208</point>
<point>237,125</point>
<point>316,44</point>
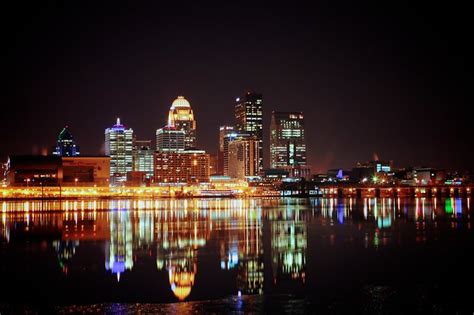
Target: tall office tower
<point>181,117</point>
<point>287,143</point>
<point>223,132</point>
<point>169,139</point>
<point>249,119</point>
<point>65,145</point>
<point>119,146</point>
<point>243,157</point>
<point>231,136</point>
<point>143,157</point>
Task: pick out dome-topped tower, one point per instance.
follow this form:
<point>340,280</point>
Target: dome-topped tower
<point>181,117</point>
<point>180,102</point>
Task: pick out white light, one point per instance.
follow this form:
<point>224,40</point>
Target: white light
<point>237,99</point>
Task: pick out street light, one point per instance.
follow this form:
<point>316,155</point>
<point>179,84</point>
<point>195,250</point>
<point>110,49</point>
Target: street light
<point>75,180</point>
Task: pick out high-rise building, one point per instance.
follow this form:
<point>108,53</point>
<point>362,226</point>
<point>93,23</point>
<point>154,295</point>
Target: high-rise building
<point>224,131</point>
<point>119,146</point>
<point>249,119</point>
<point>65,145</point>
<point>188,166</point>
<point>213,161</point>
<point>228,137</point>
<point>243,157</point>
<point>143,157</point>
<point>170,139</point>
<point>287,140</point>
<point>181,117</point>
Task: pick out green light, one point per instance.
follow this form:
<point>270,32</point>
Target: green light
<point>448,207</point>
<point>374,179</point>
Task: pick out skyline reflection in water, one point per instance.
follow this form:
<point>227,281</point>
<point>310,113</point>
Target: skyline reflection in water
<point>178,250</point>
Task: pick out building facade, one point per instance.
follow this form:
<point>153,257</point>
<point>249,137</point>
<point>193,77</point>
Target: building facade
<point>85,170</point>
<point>65,145</point>
<point>181,117</point>
<point>33,170</point>
<point>143,157</point>
<point>170,139</point>
<point>119,146</point>
<point>243,157</point>
<point>38,170</point>
<point>229,137</point>
<point>287,140</point>
<point>213,164</point>
<point>189,166</point>
<point>224,131</point>
<point>249,119</point>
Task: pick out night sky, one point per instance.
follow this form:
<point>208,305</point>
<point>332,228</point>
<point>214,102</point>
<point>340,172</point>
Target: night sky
<point>392,81</point>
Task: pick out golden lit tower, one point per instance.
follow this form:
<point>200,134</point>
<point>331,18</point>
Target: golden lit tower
<point>181,117</point>
<point>249,120</point>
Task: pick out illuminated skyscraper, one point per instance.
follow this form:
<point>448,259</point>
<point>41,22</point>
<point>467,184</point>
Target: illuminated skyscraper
<point>224,131</point>
<point>143,157</point>
<point>119,146</point>
<point>225,154</point>
<point>287,140</point>
<point>249,119</point>
<point>181,117</point>
<point>170,139</point>
<point>65,145</point>
<point>243,157</point>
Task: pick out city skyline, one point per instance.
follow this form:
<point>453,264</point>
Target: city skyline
<point>216,146</point>
<point>236,157</point>
<point>392,79</point>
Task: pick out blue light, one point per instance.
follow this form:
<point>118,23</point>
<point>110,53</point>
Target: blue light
<point>340,212</point>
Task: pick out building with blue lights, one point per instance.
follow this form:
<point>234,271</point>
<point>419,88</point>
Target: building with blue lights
<point>65,145</point>
<point>119,146</point>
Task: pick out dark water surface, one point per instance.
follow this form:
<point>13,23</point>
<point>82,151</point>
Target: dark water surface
<point>238,255</point>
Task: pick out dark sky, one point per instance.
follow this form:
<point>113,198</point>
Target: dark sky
<point>388,79</point>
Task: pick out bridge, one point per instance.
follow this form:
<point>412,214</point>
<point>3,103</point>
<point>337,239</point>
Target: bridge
<point>438,191</point>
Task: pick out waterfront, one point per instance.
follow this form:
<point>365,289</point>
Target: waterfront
<point>219,255</point>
